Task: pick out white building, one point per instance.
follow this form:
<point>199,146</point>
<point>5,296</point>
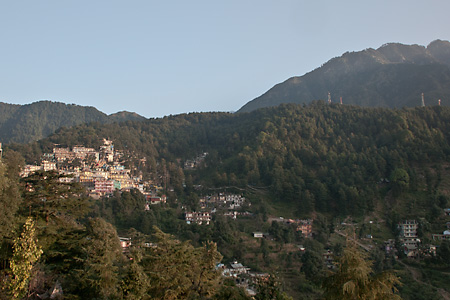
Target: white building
<point>408,228</point>
<point>198,217</point>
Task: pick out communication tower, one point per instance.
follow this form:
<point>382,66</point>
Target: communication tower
<point>340,99</point>
<point>423,100</point>
<point>329,97</point>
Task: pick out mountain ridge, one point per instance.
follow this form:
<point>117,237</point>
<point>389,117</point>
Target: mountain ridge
<point>417,68</point>
<point>31,122</point>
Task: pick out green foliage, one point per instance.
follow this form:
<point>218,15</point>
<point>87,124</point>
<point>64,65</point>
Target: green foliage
<point>354,279</point>
<point>9,202</point>
<point>51,200</point>
<point>57,206</point>
<point>443,253</point>
<point>326,158</point>
<point>313,266</point>
<point>269,289</point>
<point>319,159</point>
<point>229,291</point>
<point>136,282</point>
<point>26,253</point>
<point>400,180</point>
<point>100,275</point>
<point>177,270</point>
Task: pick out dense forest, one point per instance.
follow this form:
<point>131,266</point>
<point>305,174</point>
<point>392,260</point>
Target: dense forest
<point>327,158</point>
<point>327,162</point>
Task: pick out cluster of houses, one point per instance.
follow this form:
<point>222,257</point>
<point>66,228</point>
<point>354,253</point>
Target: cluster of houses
<point>202,217</point>
<point>100,171</point>
<point>305,226</point>
<point>152,199</point>
<point>192,164</point>
<point>226,202</point>
<point>242,276</point>
<point>222,200</point>
<point>411,242</point>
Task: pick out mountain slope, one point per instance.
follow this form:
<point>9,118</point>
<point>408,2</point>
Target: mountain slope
<point>31,122</point>
<point>393,75</point>
<point>319,157</point>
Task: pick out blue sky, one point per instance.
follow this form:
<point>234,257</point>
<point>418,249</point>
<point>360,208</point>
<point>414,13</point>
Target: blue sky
<point>168,57</point>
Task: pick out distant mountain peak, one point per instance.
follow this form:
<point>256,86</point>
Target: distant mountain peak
<point>393,75</point>
<point>126,116</point>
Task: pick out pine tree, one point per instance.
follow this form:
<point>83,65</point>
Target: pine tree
<point>26,254</point>
<point>269,289</point>
<point>9,203</point>
<point>57,206</point>
<point>101,274</point>
<point>355,279</point>
<point>177,270</point>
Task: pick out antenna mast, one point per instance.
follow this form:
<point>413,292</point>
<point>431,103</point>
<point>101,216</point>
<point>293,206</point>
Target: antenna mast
<point>329,97</point>
<point>423,100</point>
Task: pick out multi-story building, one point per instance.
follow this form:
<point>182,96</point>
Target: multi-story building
<point>234,201</point>
<point>104,186</point>
<point>198,217</point>
<point>123,177</point>
<point>29,169</point>
<point>62,154</point>
<point>48,165</point>
<point>67,177</point>
<point>108,150</point>
<point>408,228</point>
<point>86,178</point>
<point>83,152</point>
<point>408,237</point>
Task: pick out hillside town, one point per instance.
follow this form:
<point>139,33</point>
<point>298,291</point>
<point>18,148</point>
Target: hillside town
<point>100,171</point>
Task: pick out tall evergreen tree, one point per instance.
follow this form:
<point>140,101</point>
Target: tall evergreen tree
<point>56,205</point>
<point>177,270</point>
<point>9,203</point>
<point>26,254</point>
<point>100,276</point>
<point>354,279</point>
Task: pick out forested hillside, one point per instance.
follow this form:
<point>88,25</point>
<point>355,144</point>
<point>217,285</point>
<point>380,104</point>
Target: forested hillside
<point>339,165</point>
<point>31,122</point>
<point>317,157</point>
<point>394,75</point>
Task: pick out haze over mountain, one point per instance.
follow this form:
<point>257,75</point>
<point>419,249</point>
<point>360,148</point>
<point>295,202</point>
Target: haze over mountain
<point>31,122</point>
<point>394,75</point>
